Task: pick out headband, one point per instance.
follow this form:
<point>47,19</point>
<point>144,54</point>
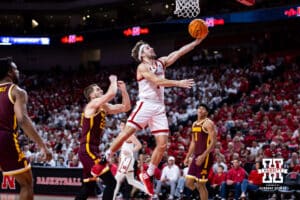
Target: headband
<point>140,51</point>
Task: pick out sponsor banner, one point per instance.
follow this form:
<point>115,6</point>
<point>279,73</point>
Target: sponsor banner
<point>55,181</point>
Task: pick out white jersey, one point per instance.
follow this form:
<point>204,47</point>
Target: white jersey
<point>150,91</point>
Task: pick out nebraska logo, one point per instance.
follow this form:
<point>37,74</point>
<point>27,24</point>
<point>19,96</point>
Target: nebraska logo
<point>8,182</point>
<point>272,170</point>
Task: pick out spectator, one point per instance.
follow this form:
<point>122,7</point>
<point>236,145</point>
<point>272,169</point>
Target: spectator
<point>293,162</point>
<point>253,182</point>
<point>234,178</point>
<point>181,181</point>
<point>254,148</point>
<point>61,162</point>
<point>169,177</point>
<point>220,160</point>
<point>75,162</point>
<point>218,178</point>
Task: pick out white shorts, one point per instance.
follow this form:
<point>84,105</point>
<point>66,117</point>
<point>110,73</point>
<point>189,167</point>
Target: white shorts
<point>126,164</point>
<point>152,114</point>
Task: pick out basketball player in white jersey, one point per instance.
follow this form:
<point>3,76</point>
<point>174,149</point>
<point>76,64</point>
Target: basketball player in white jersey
<point>125,169</point>
<point>150,109</point>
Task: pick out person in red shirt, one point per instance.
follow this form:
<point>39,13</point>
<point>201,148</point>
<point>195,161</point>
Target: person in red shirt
<point>217,179</point>
<point>271,151</point>
<point>235,177</point>
<point>253,182</point>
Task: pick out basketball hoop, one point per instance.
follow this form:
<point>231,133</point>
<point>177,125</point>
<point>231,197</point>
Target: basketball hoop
<point>187,8</point>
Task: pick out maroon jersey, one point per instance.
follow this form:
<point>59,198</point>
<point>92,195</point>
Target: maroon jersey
<point>201,138</point>
<point>12,159</point>
<point>8,121</point>
<point>92,130</point>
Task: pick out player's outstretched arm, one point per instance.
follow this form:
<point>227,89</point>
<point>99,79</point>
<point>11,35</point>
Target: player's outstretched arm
<point>108,96</point>
<point>125,106</point>
<point>20,109</point>
<point>175,55</point>
<point>144,71</point>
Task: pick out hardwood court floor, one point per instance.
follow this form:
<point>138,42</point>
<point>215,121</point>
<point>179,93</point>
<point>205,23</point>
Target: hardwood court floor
<point>39,197</point>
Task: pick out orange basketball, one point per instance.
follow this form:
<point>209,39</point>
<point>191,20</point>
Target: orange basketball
<point>198,29</point>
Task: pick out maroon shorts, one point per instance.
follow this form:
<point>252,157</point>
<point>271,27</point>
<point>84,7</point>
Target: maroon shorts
<point>88,158</point>
<point>200,173</point>
<point>12,159</point>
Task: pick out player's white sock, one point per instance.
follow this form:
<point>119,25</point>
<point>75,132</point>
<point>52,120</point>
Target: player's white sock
<point>108,155</point>
<point>151,169</point>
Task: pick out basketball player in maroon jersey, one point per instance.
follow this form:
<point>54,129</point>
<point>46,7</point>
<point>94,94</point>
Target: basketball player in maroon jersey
<point>203,142</point>
<point>150,109</point>
<point>93,124</point>
<point>13,113</point>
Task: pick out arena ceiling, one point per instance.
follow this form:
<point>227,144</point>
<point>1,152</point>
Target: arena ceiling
<point>72,16</point>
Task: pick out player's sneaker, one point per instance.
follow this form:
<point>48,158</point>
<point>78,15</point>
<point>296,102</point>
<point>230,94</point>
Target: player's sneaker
<point>98,169</point>
<point>108,155</point>
<point>146,179</point>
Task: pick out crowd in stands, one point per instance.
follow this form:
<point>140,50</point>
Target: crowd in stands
<point>256,110</point>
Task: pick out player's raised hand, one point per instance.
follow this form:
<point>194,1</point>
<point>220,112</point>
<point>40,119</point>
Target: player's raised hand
<point>199,40</point>
<point>113,78</point>
<point>186,83</point>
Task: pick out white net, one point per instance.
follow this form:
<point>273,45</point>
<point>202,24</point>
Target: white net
<point>187,8</point>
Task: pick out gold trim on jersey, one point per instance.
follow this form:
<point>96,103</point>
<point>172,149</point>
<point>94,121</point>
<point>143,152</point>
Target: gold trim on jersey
<point>106,169</point>
<point>207,157</point>
<point>15,123</point>
<point>18,171</point>
<point>196,129</point>
<point>201,180</point>
<point>3,88</point>
<point>88,138</point>
<point>206,160</point>
<point>191,177</point>
<point>11,99</point>
<point>17,146</point>
<point>91,179</point>
<point>81,120</point>
<point>96,178</point>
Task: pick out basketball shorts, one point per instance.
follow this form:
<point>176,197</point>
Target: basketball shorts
<point>152,114</point>
<point>200,173</point>
<point>12,159</point>
<point>88,157</point>
<point>126,164</point>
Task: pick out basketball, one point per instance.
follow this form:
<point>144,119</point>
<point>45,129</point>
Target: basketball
<point>198,29</point>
